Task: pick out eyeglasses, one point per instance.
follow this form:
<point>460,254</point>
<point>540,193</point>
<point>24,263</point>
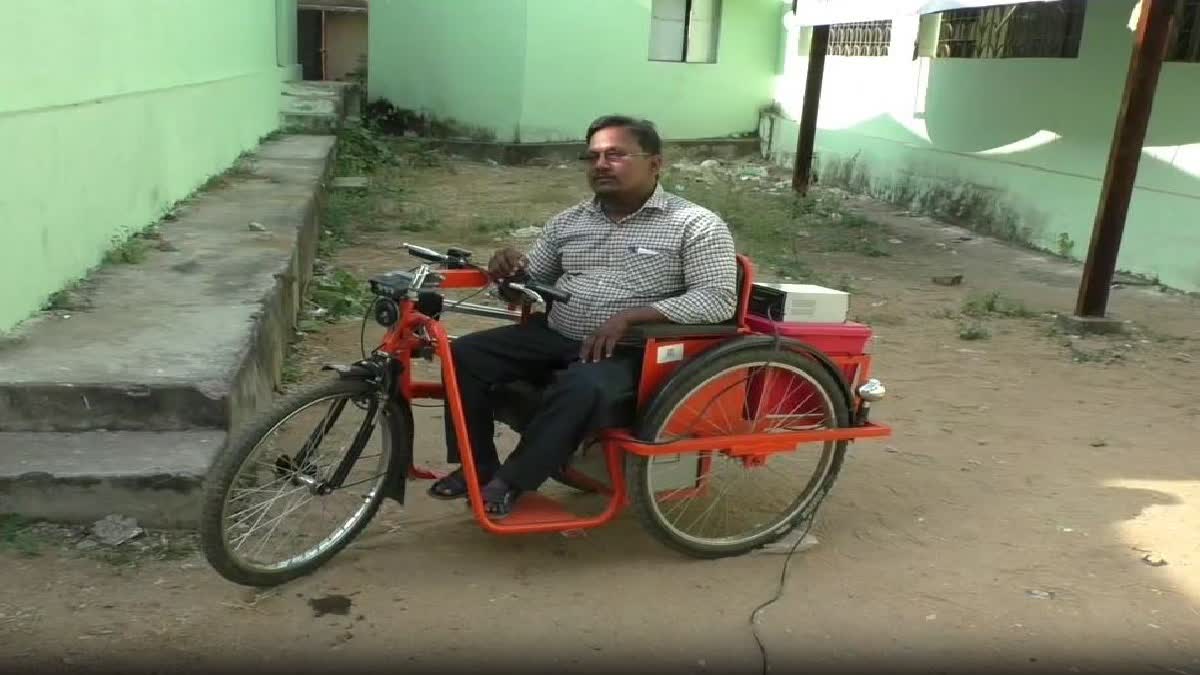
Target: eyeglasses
<point>610,156</point>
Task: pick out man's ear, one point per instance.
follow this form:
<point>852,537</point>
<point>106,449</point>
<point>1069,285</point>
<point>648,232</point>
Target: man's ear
<point>656,163</point>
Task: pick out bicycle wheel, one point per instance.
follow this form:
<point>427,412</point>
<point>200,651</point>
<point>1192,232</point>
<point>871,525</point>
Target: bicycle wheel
<point>711,504</point>
<point>265,519</point>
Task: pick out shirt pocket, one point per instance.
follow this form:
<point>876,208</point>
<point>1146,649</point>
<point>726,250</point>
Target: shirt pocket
<point>651,270</point>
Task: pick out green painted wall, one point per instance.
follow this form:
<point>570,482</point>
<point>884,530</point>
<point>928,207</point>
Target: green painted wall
<point>455,59</point>
<point>588,58</point>
<point>1015,146</point>
<point>123,108</point>
<point>550,67</point>
<point>287,53</point>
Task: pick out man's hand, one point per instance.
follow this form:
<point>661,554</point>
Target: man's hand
<point>506,262</point>
<point>601,344</point>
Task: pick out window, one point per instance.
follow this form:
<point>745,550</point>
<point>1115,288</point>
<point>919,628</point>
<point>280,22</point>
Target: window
<point>685,31</point>
<point>866,38</point>
<point>1185,39</point>
<point>1033,30</point>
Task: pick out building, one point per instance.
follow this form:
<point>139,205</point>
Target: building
<point>1002,118</point>
<point>112,112</point>
<point>541,70</point>
<point>332,38</point>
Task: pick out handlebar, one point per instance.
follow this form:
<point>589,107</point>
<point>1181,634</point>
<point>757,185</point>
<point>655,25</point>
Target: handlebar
<point>530,289</point>
<point>426,253</point>
<point>537,292</point>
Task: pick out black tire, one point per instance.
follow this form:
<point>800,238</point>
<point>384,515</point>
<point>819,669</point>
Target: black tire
<point>395,420</point>
<point>688,379</point>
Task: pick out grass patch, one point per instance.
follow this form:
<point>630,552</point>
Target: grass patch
<point>337,295</point>
<point>782,230</point>
<point>994,304</point>
<point>129,251</point>
<point>974,330</point>
<point>17,536</point>
<point>361,152</point>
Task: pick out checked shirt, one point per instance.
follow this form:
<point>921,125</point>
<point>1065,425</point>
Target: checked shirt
<point>671,254</point>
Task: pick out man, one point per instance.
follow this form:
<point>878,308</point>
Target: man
<point>633,254</point>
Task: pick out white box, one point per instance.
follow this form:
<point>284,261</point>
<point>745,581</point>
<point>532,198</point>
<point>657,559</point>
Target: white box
<point>799,303</point>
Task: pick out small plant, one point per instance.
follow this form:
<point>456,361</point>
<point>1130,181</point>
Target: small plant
<point>974,330</point>
<point>290,373</point>
<point>129,251</point>
<point>994,304</point>
<point>1065,245</point>
<point>361,151</point>
<point>339,294</point>
<point>15,535</point>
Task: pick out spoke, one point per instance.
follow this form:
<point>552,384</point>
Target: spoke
<point>724,492</point>
<point>276,519</point>
<point>274,527</point>
<point>268,503</point>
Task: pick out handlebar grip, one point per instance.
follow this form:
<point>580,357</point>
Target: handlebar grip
<point>425,253</point>
<point>549,292</point>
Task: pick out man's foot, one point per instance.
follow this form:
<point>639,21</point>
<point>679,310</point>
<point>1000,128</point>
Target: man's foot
<point>499,498</point>
<point>454,485</point>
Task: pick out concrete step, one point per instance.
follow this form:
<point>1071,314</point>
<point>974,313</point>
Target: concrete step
<point>81,477</point>
<point>192,337</point>
<point>318,107</point>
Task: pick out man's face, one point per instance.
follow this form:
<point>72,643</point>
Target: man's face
<point>620,165</point>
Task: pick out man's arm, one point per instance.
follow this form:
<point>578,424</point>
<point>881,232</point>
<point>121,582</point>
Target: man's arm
<point>710,275</point>
<point>544,260</point>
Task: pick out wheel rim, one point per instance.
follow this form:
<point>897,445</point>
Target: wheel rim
<point>265,491</point>
<point>714,500</point>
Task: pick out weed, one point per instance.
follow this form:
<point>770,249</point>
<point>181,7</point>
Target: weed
<point>290,373</point>
<point>339,294</point>
<point>360,151</point>
<point>130,251</point>
<point>1066,245</point>
<point>780,229</point>
<point>994,304</point>
<point>422,220</point>
<point>16,535</point>
<point>490,225</point>
<point>974,330</point>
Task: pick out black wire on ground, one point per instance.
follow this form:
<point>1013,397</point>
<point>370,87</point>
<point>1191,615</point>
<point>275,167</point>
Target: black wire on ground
<point>762,650</point>
<point>787,561</point>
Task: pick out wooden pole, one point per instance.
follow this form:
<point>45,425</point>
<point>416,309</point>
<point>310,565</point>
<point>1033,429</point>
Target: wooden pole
<point>1153,32</point>
<point>802,173</point>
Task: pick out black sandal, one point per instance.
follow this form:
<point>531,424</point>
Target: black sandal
<point>498,499</point>
<point>454,484</point>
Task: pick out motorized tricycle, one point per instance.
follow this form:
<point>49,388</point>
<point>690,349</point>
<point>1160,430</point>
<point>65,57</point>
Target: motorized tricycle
<point>734,433</point>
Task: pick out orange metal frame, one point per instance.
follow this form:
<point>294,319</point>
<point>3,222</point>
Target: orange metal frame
<point>402,342</point>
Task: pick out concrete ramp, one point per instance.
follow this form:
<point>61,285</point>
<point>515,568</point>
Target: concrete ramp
<point>170,354</point>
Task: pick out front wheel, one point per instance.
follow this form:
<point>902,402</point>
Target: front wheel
<point>269,515</point>
<point>710,504</point>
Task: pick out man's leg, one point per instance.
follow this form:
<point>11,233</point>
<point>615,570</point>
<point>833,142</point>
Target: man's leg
<point>485,359</point>
<point>580,402</point>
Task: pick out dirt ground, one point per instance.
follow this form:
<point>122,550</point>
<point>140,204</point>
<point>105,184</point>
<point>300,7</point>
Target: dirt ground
<point>1036,509</point>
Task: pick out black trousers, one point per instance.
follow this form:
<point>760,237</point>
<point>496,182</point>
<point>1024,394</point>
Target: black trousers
<point>578,402</point>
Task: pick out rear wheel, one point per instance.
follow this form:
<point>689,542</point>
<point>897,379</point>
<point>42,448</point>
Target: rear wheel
<point>266,517</point>
<point>711,504</point>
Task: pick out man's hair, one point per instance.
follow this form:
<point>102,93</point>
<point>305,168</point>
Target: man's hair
<point>643,130</point>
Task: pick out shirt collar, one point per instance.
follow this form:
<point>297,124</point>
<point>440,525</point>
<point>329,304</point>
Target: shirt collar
<point>657,201</point>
